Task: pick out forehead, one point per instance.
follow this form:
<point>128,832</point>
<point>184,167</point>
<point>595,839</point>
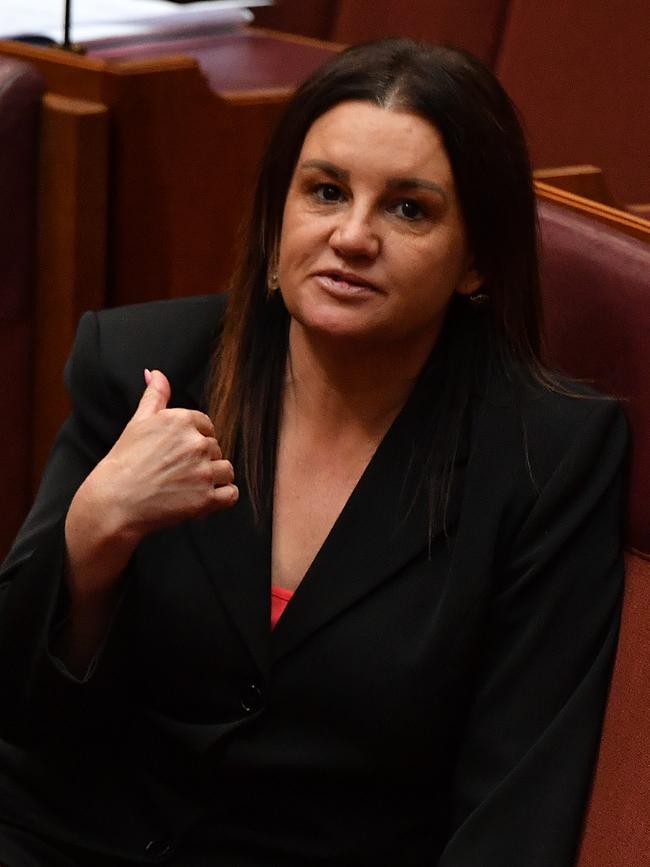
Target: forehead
<point>361,133</point>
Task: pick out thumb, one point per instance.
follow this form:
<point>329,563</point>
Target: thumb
<point>155,396</point>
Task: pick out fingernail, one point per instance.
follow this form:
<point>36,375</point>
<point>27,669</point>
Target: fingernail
<point>147,375</point>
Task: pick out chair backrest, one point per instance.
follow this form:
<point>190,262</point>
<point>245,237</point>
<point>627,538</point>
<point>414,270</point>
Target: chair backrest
<point>578,72</point>
<point>21,89</point>
<point>313,18</point>
<point>596,298</point>
<point>635,225</point>
<point>473,24</point>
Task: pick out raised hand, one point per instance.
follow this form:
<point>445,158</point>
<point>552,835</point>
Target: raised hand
<point>165,467</point>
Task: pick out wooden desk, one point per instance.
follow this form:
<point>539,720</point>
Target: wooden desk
<point>148,155</point>
<point>186,131</point>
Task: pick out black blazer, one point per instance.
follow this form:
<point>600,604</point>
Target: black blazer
<point>418,703</point>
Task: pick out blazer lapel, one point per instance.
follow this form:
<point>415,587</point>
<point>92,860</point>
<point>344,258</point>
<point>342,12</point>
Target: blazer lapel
<point>236,553</point>
<point>384,525</point>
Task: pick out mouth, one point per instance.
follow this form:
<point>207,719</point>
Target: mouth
<point>345,282</point>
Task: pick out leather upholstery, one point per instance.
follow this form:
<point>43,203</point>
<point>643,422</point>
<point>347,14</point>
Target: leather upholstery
<point>313,18</point>
<point>21,89</point>
<point>473,24</point>
<point>596,291</point>
<point>616,830</point>
<point>578,72</point>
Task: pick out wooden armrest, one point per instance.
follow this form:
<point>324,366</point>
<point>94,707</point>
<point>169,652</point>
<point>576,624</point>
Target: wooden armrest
<point>586,180</point>
<point>624,221</point>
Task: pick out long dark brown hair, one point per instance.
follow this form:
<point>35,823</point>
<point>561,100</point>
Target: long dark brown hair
<point>485,145</point>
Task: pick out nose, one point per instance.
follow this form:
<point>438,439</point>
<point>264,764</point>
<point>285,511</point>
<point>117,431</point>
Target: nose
<point>355,235</point>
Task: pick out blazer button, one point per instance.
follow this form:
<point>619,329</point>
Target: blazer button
<point>251,698</point>
<point>158,850</point>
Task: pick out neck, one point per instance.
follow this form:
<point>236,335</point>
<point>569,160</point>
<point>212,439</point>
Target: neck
<point>348,385</point>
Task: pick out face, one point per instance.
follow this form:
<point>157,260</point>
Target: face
<point>373,245</point>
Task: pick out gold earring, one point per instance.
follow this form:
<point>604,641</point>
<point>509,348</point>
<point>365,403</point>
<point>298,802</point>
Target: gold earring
<point>272,283</point>
<point>272,276</point>
<point>479,298</point>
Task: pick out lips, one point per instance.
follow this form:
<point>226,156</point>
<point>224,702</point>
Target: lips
<point>345,281</point>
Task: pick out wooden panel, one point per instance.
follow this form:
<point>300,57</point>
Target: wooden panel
<point>65,73</point>
<point>183,151</point>
<point>181,137</point>
<point>72,208</point>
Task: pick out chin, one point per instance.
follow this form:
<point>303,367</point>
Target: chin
<point>339,320</point>
<point>337,326</point>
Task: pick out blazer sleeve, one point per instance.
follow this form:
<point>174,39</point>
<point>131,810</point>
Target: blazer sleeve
<point>35,687</point>
<point>532,733</point>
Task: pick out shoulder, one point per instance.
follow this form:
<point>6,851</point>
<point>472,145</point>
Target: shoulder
<point>174,324</point>
<point>113,346</point>
<point>542,426</point>
<point>543,455</point>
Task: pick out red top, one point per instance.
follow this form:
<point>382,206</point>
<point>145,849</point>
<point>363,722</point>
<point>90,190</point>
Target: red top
<point>279,600</point>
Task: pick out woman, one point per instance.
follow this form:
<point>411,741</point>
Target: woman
<point>441,513</point>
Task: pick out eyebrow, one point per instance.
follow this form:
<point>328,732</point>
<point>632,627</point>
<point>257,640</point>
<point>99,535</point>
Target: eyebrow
<point>393,183</point>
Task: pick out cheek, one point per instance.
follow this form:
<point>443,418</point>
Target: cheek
<point>436,264</point>
<point>419,265</point>
<point>293,263</point>
<point>299,244</point>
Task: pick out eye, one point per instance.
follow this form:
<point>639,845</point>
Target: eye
<point>408,209</point>
<point>328,193</point>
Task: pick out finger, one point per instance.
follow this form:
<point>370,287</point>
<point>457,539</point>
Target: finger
<point>214,450</point>
<point>155,396</point>
<point>224,496</point>
<point>190,418</point>
<point>202,422</point>
<point>222,473</point>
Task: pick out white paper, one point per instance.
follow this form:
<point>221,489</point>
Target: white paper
<point>99,20</point>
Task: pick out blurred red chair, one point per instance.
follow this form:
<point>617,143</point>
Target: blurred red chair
<point>578,71</point>
<point>473,24</point>
<point>596,297</point>
<point>21,90</point>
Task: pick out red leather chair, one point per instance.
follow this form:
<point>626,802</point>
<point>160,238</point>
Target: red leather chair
<point>473,24</point>
<point>596,296</point>
<point>578,73</point>
<point>21,90</point>
<point>313,18</point>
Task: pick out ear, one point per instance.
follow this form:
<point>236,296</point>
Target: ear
<point>469,282</point>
